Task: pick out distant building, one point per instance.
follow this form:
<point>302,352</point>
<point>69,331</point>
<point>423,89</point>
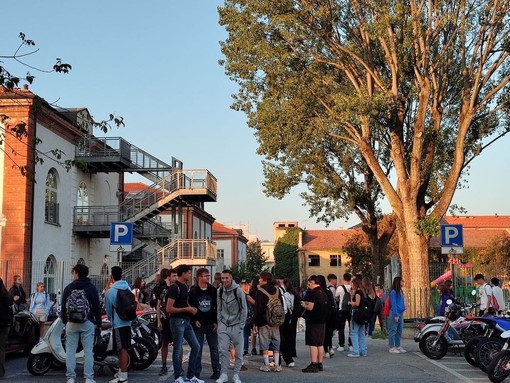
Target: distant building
<point>322,252</point>
<point>231,245</point>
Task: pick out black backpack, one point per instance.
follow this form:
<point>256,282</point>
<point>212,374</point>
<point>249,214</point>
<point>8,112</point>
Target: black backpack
<point>125,305</point>
<point>344,305</point>
<point>363,314</point>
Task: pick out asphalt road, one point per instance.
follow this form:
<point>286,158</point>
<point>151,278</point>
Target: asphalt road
<point>379,366</point>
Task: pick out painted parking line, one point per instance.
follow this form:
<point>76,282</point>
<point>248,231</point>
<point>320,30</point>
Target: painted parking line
<point>447,369</point>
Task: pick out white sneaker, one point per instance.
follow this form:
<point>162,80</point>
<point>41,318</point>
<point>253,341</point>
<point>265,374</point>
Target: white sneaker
<point>291,364</point>
<point>401,350</point>
<point>278,368</point>
<point>326,355</point>
<point>195,380</point>
<point>339,348</point>
<point>70,380</point>
<point>236,379</point>
<point>116,380</point>
<point>180,379</point>
<point>394,350</point>
<point>331,351</point>
<point>222,379</point>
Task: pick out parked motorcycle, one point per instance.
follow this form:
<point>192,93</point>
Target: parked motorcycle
<point>51,351</point>
<point>480,350</point>
<point>499,367</point>
<point>24,334</point>
<point>435,338</point>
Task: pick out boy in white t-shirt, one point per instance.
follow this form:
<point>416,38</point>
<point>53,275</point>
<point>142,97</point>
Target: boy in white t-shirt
<point>485,294</point>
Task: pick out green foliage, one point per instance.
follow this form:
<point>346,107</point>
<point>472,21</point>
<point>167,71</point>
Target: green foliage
<point>358,249</point>
<point>254,265</point>
<point>429,226</point>
<point>286,256</point>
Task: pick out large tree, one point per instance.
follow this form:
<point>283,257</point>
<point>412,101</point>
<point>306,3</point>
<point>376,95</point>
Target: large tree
<point>420,85</point>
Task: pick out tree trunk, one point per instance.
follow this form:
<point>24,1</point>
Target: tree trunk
<point>415,270</point>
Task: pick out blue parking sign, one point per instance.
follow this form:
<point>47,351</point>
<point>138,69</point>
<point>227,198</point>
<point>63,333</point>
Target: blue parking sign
<point>452,239</point>
<point>121,236</point>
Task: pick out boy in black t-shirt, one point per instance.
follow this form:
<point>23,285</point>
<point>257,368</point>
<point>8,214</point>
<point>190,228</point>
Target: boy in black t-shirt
<point>180,324</point>
<point>203,296</point>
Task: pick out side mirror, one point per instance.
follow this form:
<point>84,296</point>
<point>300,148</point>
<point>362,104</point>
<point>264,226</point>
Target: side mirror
<point>449,302</point>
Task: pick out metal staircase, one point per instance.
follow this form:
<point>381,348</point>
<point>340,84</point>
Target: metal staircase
<point>200,252</point>
<point>116,154</point>
<point>180,186</point>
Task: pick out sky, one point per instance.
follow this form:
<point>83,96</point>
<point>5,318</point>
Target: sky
<point>155,63</point>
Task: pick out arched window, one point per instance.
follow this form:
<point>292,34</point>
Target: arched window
<point>51,198</point>
<point>82,203</point>
<point>49,275</point>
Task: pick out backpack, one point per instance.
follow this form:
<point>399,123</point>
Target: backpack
<point>344,305</point>
<point>387,307</point>
<point>251,314</point>
<point>377,305</point>
<point>494,302</point>
<point>275,314</point>
<point>330,305</point>
<point>363,314</point>
<point>125,305</point>
<point>77,306</point>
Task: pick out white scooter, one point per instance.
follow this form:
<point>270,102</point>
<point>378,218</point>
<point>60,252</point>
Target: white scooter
<point>50,351</point>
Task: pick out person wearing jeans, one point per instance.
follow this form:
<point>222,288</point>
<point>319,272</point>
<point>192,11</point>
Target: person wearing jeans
<point>83,331</point>
<point>203,296</point>
<point>357,330</point>
<point>396,317</point>
<point>180,324</point>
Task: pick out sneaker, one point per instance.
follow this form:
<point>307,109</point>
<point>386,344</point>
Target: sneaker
<point>254,351</point>
<point>119,380</point>
<point>195,380</point>
<point>163,371</point>
<point>222,379</point>
<point>216,374</point>
<point>321,367</point>
<point>331,351</point>
<point>291,364</point>
<point>340,348</point>
<point>312,367</point>
<point>326,355</point>
<point>236,379</point>
<point>70,380</point>
<point>265,368</point>
<point>180,379</point>
<point>401,350</point>
<point>394,350</point>
<point>246,353</point>
<point>353,355</point>
<point>278,368</point>
<point>244,368</point>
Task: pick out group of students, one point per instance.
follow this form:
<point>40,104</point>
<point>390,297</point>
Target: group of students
<point>226,315</point>
<point>332,307</point>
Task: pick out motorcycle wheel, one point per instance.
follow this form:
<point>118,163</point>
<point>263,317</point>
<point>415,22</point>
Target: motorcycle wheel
<point>499,368</point>
<point>143,352</point>
<point>486,350</point>
<point>155,335</point>
<point>39,364</point>
<point>469,350</point>
<point>433,352</point>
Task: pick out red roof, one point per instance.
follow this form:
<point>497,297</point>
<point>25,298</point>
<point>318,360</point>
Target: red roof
<point>134,187</point>
<point>480,221</point>
<point>218,229</point>
<point>325,239</point>
<point>477,231</point>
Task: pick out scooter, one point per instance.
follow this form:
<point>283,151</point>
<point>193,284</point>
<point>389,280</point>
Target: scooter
<point>453,330</point>
<point>24,334</point>
<point>50,352</point>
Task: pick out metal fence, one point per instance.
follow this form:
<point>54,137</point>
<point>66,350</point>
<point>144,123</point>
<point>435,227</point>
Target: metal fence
<point>56,275</point>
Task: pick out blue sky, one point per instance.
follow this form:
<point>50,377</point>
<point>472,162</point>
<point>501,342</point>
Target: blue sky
<point>156,64</point>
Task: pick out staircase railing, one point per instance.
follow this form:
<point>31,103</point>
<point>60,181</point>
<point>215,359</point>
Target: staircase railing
<point>187,249</point>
